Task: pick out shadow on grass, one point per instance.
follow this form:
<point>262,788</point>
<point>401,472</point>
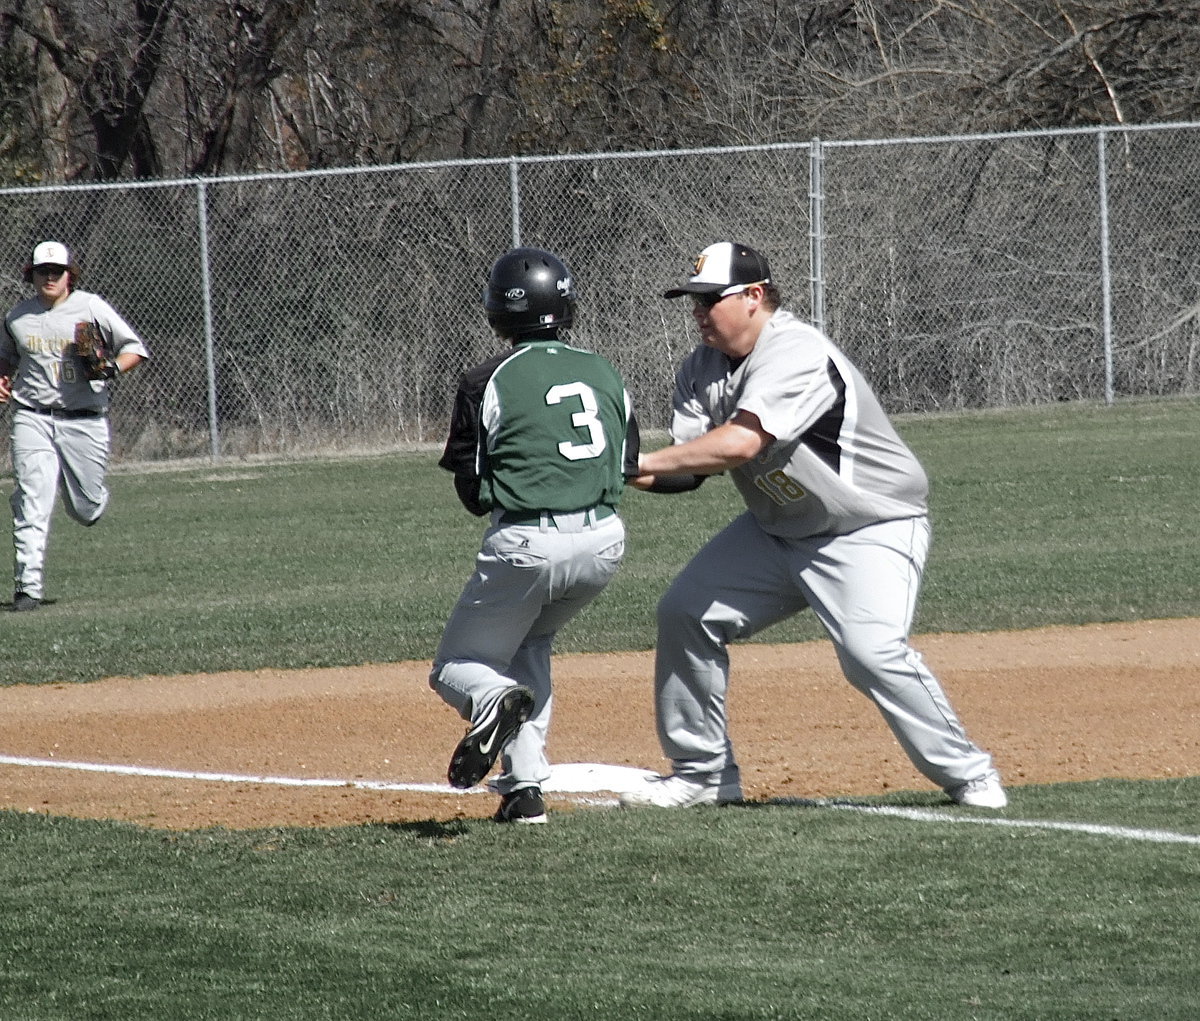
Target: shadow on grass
<point>431,829</point>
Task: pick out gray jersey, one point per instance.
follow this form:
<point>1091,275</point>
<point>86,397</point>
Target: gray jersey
<point>38,341</point>
<point>837,463</point>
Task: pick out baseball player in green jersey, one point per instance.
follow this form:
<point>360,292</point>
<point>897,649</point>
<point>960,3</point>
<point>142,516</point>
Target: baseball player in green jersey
<point>836,521</point>
<point>60,429</point>
<point>541,439</point>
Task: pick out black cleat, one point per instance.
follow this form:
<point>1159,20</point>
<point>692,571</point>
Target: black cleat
<point>524,806</point>
<point>24,601</point>
<point>478,750</point>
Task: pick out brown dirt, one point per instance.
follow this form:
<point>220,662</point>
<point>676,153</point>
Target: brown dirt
<point>1119,700</point>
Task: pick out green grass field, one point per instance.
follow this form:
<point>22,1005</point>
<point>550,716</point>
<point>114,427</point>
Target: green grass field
<point>1064,515</point>
<point>1061,515</point>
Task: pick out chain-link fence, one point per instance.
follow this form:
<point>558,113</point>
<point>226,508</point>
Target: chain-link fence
<point>334,310</point>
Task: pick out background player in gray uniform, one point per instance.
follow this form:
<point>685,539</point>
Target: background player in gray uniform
<point>836,520</point>
<point>541,439</point>
<point>60,429</point>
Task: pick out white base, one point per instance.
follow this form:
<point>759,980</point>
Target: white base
<point>585,777</point>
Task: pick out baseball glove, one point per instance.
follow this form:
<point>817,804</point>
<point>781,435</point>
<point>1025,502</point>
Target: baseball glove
<point>98,360</point>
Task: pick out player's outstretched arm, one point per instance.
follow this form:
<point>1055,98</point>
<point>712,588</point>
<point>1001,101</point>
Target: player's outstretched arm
<point>724,448</point>
<point>667,483</point>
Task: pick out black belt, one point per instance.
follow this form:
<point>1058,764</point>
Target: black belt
<point>37,409</point>
<point>599,513</point>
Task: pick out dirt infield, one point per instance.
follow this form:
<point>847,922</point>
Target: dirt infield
<point>1120,700</point>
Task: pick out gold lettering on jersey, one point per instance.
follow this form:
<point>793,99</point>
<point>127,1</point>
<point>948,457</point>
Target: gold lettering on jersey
<point>35,343</point>
<point>780,487</point>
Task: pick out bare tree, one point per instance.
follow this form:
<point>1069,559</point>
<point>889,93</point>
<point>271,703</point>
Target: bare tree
<point>113,88</point>
<point>19,155</point>
<point>108,66</point>
<point>227,100</point>
<point>1091,62</point>
<point>566,75</point>
<point>905,67</point>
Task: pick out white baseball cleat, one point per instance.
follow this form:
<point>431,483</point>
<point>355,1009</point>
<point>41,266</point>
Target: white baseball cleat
<point>984,792</point>
<point>677,791</point>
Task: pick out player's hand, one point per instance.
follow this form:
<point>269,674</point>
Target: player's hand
<point>640,481</point>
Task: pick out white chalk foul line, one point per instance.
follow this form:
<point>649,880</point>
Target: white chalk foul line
<point>917,814</point>
<point>279,781</point>
<point>929,815</point>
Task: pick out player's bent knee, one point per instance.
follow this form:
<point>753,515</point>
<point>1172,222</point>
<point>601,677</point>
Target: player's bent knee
<point>874,659</point>
<point>676,606</point>
<point>86,512</point>
<point>88,517</point>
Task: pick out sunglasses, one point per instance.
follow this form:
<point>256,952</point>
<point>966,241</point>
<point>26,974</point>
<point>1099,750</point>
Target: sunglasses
<point>711,299</point>
<point>50,271</point>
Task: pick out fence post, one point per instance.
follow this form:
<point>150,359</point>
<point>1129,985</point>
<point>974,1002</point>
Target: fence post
<point>514,189</point>
<point>816,233</point>
<point>1105,276</point>
<point>210,362</point>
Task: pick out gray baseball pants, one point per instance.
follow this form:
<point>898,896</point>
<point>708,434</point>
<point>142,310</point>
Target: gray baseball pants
<point>529,581</point>
<point>863,588</point>
<point>50,454</point>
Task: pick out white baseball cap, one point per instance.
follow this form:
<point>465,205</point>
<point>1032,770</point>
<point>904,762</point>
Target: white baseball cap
<point>51,253</point>
<point>724,268</point>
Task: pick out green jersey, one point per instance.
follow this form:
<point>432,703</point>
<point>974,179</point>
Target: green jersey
<point>543,426</point>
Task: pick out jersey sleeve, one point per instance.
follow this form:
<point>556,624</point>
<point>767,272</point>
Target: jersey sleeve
<point>458,456</point>
<point>119,334</point>
<point>8,347</point>
<point>633,442</point>
<point>689,416</point>
<point>461,453</point>
<point>788,387</point>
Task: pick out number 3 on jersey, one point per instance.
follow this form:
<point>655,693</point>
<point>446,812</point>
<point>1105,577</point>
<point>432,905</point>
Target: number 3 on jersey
<point>587,419</point>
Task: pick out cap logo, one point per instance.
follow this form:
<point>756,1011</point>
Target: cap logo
<point>564,285</point>
<point>698,265</point>
<point>515,293</point>
<point>51,253</point>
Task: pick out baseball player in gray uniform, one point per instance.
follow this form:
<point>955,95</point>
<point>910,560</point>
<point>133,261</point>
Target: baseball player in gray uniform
<point>60,434</point>
<point>836,521</point>
<point>541,439</point>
